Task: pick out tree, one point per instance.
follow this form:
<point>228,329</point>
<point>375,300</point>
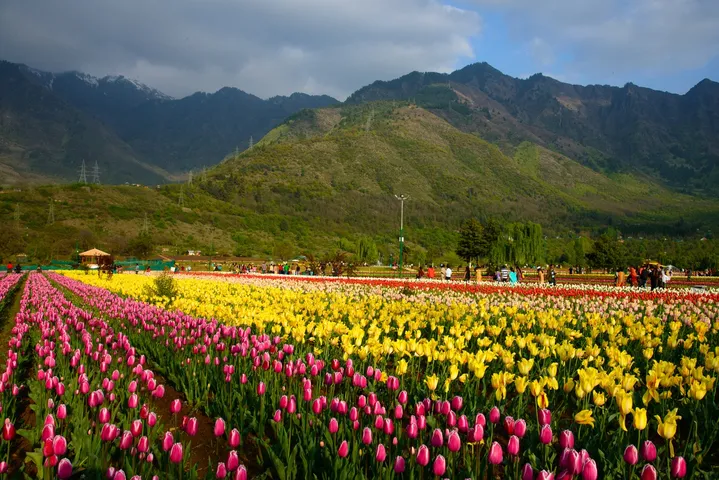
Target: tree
<point>141,246</point>
<point>367,250</point>
<point>608,253</point>
<point>470,245</point>
<point>283,250</point>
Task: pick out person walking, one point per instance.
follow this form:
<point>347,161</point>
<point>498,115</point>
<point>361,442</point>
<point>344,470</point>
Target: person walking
<point>467,274</point>
<point>512,277</point>
<point>448,273</point>
<point>552,276</point>
<point>443,269</point>
<point>520,275</point>
<point>478,274</point>
<point>540,274</point>
<point>430,272</point>
<point>420,273</point>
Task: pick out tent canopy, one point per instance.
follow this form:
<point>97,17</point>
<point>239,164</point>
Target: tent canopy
<point>94,252</point>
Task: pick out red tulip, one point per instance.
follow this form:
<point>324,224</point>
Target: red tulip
<point>8,430</point>
<point>679,467</point>
<point>64,469</point>
<point>495,454</point>
<point>527,472</point>
<point>233,460</point>
<point>176,453</point>
<point>344,449</point>
<point>381,454</point>
<point>234,440</point>
<point>59,445</point>
<point>545,417</point>
<point>437,438</point>
<point>143,445</point>
<point>566,439</point>
<point>545,435</point>
<point>509,425</point>
<point>366,436</point>
<point>423,455</point>
<point>126,440</point>
<point>136,428</point>
<point>453,442</point>
<point>192,426</point>
<point>589,471</point>
<point>649,472</point>
<point>631,455</point>
<point>648,451</point>
<point>513,445</point>
<point>219,429</point>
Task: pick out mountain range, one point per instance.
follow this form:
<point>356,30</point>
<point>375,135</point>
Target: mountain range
<point>51,123</point>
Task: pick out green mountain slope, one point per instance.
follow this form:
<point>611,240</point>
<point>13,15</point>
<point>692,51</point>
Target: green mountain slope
<point>346,164</point>
<point>673,138</point>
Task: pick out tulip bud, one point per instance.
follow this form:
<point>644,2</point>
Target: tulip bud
<point>649,472</point>
<point>366,436</point>
<point>631,455</point>
<point>344,449</point>
<point>566,439</point>
<point>440,466</point>
<point>513,445</point>
<point>495,454</point>
<point>453,442</point>
<point>527,472</point>
<point>234,440</point>
<point>520,428</point>
<point>545,416</point>
<point>399,464</point>
<point>175,406</point>
<point>233,461</point>
<point>176,453</point>
<point>334,426</point>
<point>62,413</point>
<point>545,435</point>
<point>219,429</point>
<point>221,471</point>
<point>423,455</point>
<point>648,451</point>
<point>167,441</point>
<point>679,467</point>
<point>59,445</point>
<point>261,388</point>
<point>64,469</point>
<point>192,427</point>
<point>126,440</point>
<point>380,454</point>
<point>494,415</point>
<point>437,438</point>
<point>589,471</point>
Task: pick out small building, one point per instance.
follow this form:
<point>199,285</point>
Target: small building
<point>95,258</point>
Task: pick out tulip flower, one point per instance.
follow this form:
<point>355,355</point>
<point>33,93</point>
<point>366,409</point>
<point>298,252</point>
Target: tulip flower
<point>143,445</point>
<point>439,466</point>
<point>119,475</point>
<point>513,445</point>
<point>545,475</point>
<point>366,436</point>
<point>589,471</point>
<point>192,426</point>
<point>640,418</point>
<point>175,406</point>
<point>494,415</point>
<point>545,417</point>
<point>453,442</point>
<point>241,473</point>
<point>62,413</point>
<point>649,472</point>
<point>167,441</point>
<point>221,471</point>
<point>334,426</point>
<point>277,417</point>
<point>126,440</point>
<point>423,455</point>
<point>520,428</point>
<point>136,428</point>
<point>545,435</point>
<point>234,440</point>
<point>584,417</point>
<point>566,439</point>
<point>261,388</point>
<point>8,430</point>
<point>381,454</point>
<point>132,401</point>
<point>59,445</point>
<point>527,472</point>
<point>233,460</point>
<point>344,449</point>
<point>64,469</point>
<point>176,453</point>
<point>399,464</point>
<point>151,419</point>
<point>495,454</point>
<point>679,467</point>
<point>437,438</point>
<point>631,455</point>
<point>648,451</point>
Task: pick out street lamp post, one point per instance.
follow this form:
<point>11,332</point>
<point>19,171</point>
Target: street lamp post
<point>401,198</point>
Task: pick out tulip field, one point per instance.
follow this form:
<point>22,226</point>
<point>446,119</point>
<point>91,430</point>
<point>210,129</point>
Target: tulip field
<point>308,378</point>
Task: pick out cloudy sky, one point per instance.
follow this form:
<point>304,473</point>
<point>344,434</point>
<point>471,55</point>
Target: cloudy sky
<point>271,47</point>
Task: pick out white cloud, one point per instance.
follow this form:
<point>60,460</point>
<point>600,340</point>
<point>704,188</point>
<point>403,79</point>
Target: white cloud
<point>265,47</point>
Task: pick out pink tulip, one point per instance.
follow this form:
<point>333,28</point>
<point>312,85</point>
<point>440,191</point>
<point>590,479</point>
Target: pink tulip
<point>235,439</point>
<point>8,430</point>
<point>241,473</point>
<point>494,415</point>
<point>132,401</point>
<point>648,451</point>
<point>143,445</point>
<point>3,467</point>
<point>64,469</point>
<point>402,398</point>
<point>62,413</point>
<point>132,388</point>
<point>439,466</point>
<point>175,406</point>
<point>566,439</point>
<point>381,454</point>
<point>631,455</point>
<point>453,442</point>
<point>277,417</point>
<point>513,445</point>
<point>545,475</point>
<point>59,445</point>
<point>545,435</point>
<point>545,417</point>
<point>284,401</point>
<point>520,428</point>
<point>261,388</point>
<point>334,426</point>
<point>649,472</point>
<point>679,467</point>
<point>192,426</point>
<point>136,428</point>
<point>527,472</point>
<point>233,460</point>
<point>152,419</point>
<point>399,464</point>
<point>437,438</point>
<point>495,454</point>
<point>388,428</point>
<point>344,449</point>
<point>221,471</point>
<point>119,475</point>
<point>589,471</point>
<point>126,440</point>
<point>366,436</point>
<point>176,453</point>
<point>167,441</point>
<point>219,429</point>
<point>48,432</point>
<point>423,455</point>
<point>412,430</point>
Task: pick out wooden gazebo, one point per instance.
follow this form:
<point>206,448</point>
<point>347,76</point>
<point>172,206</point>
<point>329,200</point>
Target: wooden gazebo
<point>94,258</point>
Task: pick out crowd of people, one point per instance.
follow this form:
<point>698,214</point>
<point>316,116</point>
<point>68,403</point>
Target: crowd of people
<point>651,275</point>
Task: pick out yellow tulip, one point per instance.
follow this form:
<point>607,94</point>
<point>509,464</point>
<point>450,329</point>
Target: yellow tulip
<point>584,418</point>
<point>598,398</point>
<point>640,418</point>
<point>431,381</point>
<point>520,384</point>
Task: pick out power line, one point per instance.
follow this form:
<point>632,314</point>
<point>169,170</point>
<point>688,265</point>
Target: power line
<point>96,174</point>
<point>83,173</point>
